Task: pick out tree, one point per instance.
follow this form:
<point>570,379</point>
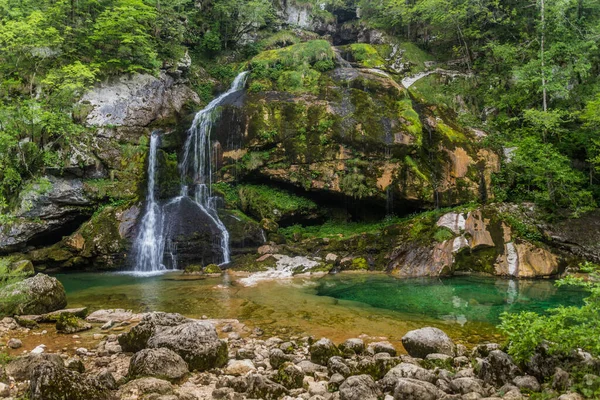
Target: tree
<point>122,37</point>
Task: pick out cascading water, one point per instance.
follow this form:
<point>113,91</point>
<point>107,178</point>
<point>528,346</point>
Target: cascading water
<point>149,245</point>
<point>157,230</point>
<point>197,163</point>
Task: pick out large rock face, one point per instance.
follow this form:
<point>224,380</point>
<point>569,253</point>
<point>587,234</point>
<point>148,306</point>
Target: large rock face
<point>46,208</point>
<point>38,295</point>
<point>136,101</point>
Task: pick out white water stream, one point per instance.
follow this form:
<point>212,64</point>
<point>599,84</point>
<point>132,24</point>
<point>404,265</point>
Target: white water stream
<point>149,246</point>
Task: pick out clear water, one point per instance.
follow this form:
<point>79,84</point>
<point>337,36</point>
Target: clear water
<point>338,307</point>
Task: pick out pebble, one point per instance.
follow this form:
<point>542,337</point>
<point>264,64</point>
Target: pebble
<point>14,343</point>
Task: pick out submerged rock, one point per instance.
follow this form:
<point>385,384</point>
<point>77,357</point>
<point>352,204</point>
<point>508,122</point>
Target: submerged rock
<point>37,295</point>
<point>421,342</point>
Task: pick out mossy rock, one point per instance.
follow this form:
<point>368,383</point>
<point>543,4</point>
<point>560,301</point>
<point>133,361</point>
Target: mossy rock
<point>193,269</point>
<point>213,269</point>
<point>70,323</point>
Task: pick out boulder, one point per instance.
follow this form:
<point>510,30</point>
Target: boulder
<point>359,387</point>
<point>467,385</point>
<point>137,338</point>
<point>498,368</point>
<point>421,342</point>
<point>412,389</point>
<point>354,345</point>
<point>322,350</point>
<point>260,387</point>
<point>159,363</point>
<point>337,365</point>
<point>21,369</point>
<point>290,376</point>
<point>52,382</point>
<point>37,295</point>
<point>381,347</point>
<point>406,370</point>
<point>527,382</point>
<point>196,342</point>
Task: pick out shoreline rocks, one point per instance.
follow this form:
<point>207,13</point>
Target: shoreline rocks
<point>158,359</point>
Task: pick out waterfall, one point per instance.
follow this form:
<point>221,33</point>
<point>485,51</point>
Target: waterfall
<point>149,244</point>
<point>197,163</point>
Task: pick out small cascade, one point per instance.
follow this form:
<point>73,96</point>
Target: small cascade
<point>149,245</point>
<point>197,163</point>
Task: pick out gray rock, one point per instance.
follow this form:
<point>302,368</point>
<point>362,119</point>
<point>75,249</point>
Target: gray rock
<point>136,101</point>
<point>354,345</point>
<point>239,367</point>
<point>334,382</point>
<point>309,367</point>
<point>144,386</point>
<point>54,316</point>
<point>571,396</point>
<point>336,365</point>
<point>37,295</point>
<point>159,363</point>
<point>421,342</point>
<point>359,387</point>
<point>69,324</point>
<point>561,380</point>
<point>52,382</point>
<point>75,364</point>
<point>277,358</point>
<point>406,370</point>
<point>290,376</point>
<point>322,350</point>
<point>260,387</point>
<point>498,368</point>
<point>527,382</point>
<point>14,343</point>
<point>22,368</point>
<point>482,350</point>
<point>412,389</point>
<point>137,338</point>
<point>381,347</point>
<point>467,385</point>
<point>196,342</point>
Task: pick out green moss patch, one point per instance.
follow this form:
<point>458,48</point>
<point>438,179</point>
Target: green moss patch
<point>365,55</point>
<point>275,204</point>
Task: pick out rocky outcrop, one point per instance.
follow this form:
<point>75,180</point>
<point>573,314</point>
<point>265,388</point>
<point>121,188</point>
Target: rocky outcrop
<point>38,295</point>
<point>136,101</point>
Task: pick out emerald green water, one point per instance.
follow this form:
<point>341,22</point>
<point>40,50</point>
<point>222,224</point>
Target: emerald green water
<point>336,306</point>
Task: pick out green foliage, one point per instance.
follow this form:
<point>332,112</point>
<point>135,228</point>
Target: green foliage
<point>564,329</point>
<point>266,202</point>
<point>366,55</point>
<point>122,38</point>
<point>443,234</point>
<point>8,277</point>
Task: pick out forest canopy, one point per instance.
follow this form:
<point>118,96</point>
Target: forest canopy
<point>535,66</point>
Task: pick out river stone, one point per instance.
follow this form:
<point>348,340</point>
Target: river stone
<point>406,370</point>
<point>381,347</point>
<point>69,323</point>
<point>37,295</point>
<point>498,368</point>
<point>112,316</point>
<point>467,385</point>
<point>239,367</point>
<point>137,338</point>
<point>322,350</point>
<point>337,365</point>
<point>52,382</point>
<point>138,388</point>
<point>159,363</point>
<point>14,343</point>
<point>421,342</point>
<point>277,357</point>
<point>290,376</point>
<point>22,368</point>
<point>260,387</point>
<point>55,315</point>
<point>196,342</point>
<point>527,382</point>
<point>412,389</point>
<point>353,345</point>
<point>359,387</point>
